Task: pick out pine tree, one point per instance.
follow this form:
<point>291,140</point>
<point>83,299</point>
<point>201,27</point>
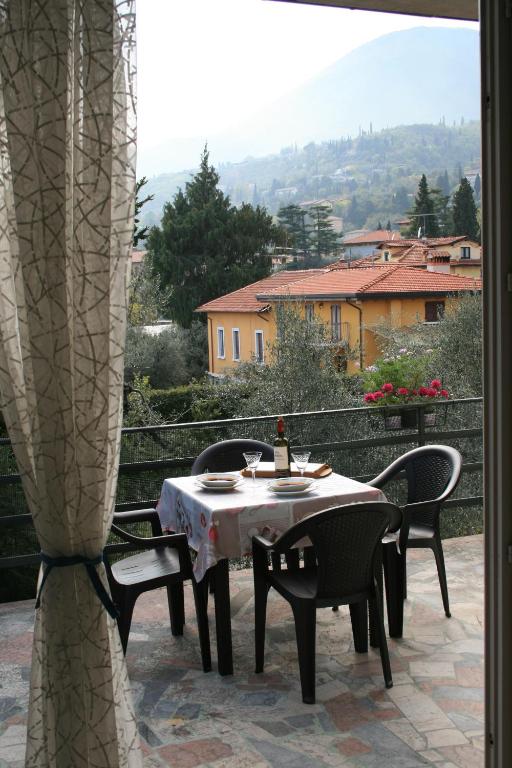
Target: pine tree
<point>292,219</point>
<point>206,247</point>
<point>324,239</point>
<point>423,215</point>
<point>443,211</point>
<point>465,221</point>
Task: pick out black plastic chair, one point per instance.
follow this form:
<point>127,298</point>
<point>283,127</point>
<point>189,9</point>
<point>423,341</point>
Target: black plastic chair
<point>164,562</point>
<point>432,473</point>
<point>228,455</point>
<point>338,569</point>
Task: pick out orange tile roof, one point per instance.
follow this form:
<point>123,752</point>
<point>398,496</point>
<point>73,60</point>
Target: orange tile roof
<point>377,236</point>
<point>138,257</point>
<point>244,299</point>
<point>383,280</point>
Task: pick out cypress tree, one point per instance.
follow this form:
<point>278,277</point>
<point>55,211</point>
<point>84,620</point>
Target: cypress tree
<point>465,221</point>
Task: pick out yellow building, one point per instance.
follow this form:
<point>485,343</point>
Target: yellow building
<point>453,255</point>
<point>350,302</point>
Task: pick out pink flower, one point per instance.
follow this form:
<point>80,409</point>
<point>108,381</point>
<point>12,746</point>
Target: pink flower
<point>431,392</point>
<point>444,393</point>
<point>369,397</point>
<point>378,395</point>
<point>387,387</point>
<point>402,391</point>
<point>435,383</point>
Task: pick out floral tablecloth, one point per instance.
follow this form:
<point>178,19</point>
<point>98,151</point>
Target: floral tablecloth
<point>220,524</point>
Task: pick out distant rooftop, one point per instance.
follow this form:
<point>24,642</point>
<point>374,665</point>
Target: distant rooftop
<point>372,238</point>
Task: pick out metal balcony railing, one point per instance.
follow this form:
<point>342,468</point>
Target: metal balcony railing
<point>357,442</point>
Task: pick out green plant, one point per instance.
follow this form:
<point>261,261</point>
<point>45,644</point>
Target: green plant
<point>399,380</point>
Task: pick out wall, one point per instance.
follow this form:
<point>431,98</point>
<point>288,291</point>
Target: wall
<point>395,311</point>
<point>248,323</point>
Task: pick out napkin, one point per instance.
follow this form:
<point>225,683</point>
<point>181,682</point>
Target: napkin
<point>267,469</point>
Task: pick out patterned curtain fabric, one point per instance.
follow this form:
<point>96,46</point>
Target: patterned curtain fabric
<point>67,181</point>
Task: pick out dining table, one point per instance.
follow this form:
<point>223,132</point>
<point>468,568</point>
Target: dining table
<point>220,524</point>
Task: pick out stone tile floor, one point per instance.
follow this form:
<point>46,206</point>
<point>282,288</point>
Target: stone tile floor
<point>433,716</point>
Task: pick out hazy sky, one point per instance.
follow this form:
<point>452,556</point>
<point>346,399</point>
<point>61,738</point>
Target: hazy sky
<point>204,65</point>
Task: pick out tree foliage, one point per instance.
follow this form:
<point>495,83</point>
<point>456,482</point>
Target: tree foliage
<point>458,349</point>
<point>465,221</point>
<point>205,247</point>
<point>324,240</point>
<point>292,219</point>
<point>301,374</point>
<point>147,300</point>
<point>423,214</point>
<point>140,233</point>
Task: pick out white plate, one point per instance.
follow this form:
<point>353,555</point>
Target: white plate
<point>218,481</point>
<point>295,491</point>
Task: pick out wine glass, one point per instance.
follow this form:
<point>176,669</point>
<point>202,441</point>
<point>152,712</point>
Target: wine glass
<point>301,460</point>
<point>252,459</point>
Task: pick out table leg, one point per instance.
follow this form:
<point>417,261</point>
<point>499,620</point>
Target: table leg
<point>223,617</point>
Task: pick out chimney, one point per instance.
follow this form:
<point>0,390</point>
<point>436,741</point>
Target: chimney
<point>438,262</point>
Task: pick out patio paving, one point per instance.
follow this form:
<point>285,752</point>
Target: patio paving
<point>433,716</point>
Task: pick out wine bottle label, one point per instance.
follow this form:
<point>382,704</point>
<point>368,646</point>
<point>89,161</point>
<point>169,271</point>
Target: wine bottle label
<point>281,458</point>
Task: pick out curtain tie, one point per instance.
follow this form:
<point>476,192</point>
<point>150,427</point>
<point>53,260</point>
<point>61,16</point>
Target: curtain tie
<point>90,564</point>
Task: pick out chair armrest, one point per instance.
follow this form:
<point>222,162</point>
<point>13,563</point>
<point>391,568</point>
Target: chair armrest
<point>175,540</point>
<point>259,542</point>
<point>140,516</point>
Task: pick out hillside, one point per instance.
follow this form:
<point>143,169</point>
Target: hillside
<point>369,178</point>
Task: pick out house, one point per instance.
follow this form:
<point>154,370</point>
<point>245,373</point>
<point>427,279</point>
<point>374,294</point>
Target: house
<point>137,261</point>
<point>350,302</point>
<point>453,255</point>
<point>365,243</point>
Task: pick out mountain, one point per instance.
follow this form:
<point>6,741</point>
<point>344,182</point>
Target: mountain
<point>419,75</point>
<point>367,179</point>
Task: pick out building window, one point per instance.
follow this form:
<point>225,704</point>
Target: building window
<point>310,313</point>
<point>236,344</point>
<point>335,322</point>
<point>386,255</point>
<point>434,311</point>
<point>259,352</point>
<point>465,252</point>
<point>220,344</point>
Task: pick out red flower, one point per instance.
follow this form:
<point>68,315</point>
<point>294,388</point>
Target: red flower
<point>378,395</point>
<point>435,383</point>
<point>444,393</point>
<point>415,392</point>
<point>369,397</point>
<point>402,391</point>
<point>387,387</point>
<point>423,391</point>
<point>431,392</point>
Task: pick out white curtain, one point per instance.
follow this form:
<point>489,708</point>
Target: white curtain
<point>67,181</point>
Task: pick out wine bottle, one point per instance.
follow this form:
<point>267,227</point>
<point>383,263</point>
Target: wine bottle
<point>281,451</point>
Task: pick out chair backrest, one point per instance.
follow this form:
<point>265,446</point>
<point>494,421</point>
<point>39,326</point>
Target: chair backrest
<point>432,474</point>
<point>345,540</point>
<point>228,454</point>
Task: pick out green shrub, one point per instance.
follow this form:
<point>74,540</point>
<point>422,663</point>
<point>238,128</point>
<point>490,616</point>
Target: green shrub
<point>175,404</point>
